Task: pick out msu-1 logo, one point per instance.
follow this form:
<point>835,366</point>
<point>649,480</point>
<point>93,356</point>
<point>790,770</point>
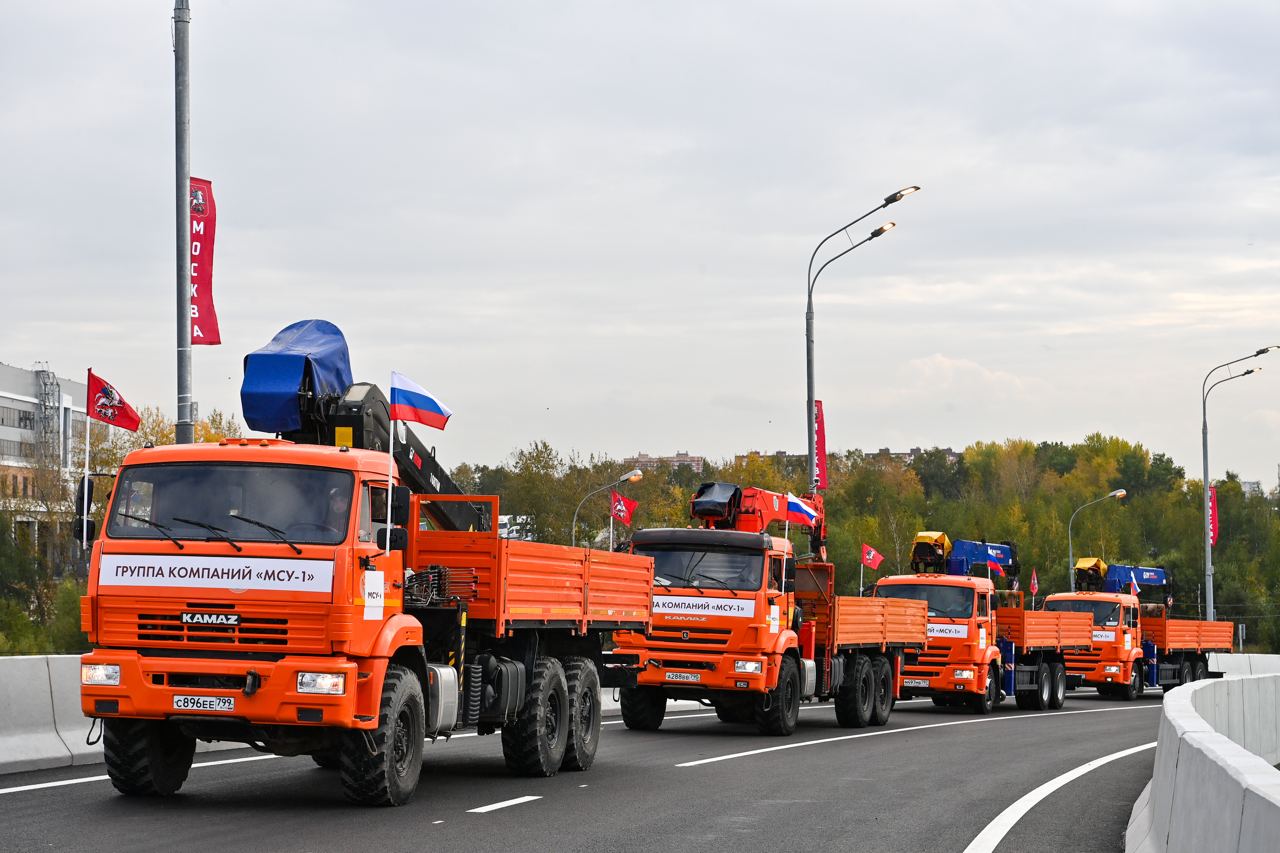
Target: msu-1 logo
<point>230,619</point>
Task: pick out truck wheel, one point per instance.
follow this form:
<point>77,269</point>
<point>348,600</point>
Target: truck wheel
<point>856,695</point>
<point>146,757</point>
<point>1185,673</point>
<point>584,713</point>
<point>643,708</point>
<point>1044,688</point>
<point>1133,689</point>
<point>1025,699</point>
<point>985,703</point>
<point>535,744</point>
<point>381,767</point>
<point>882,704</point>
<point>1058,696</point>
<point>1202,671</point>
<point>783,712</point>
<point>942,701</point>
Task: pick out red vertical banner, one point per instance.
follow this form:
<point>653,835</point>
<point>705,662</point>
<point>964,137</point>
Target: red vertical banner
<point>204,218</point>
<point>820,444</point>
<point>1213,515</point>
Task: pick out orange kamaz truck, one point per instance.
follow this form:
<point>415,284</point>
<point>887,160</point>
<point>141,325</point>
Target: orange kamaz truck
<point>983,645</point>
<point>255,591</point>
<point>1136,644</point>
<point>738,623</point>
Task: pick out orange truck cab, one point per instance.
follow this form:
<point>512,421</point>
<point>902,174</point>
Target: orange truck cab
<point>1136,644</point>
<point>258,591</point>
<point>737,623</point>
<point>983,645</point>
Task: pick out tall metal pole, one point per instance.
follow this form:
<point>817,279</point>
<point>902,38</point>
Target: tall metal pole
<point>1208,540</point>
<point>811,417</point>
<point>184,432</point>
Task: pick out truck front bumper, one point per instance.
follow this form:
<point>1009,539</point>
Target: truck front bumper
<point>952,679</point>
<point>160,688</point>
<point>676,670</point>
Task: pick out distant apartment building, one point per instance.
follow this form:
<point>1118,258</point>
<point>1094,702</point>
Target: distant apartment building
<point>41,429</point>
<point>779,457</point>
<point>645,462</point>
<point>782,457</point>
<point>1252,488</point>
<point>909,456</point>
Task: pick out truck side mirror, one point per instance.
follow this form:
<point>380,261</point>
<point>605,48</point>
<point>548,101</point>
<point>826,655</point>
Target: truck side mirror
<point>85,529</point>
<point>400,505</point>
<point>393,538</point>
<point>83,487</point>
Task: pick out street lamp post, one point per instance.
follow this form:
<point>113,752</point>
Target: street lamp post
<point>1205,388</point>
<point>632,476</point>
<point>1118,494</point>
<point>811,280</point>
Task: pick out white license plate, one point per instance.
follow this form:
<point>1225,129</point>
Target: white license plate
<point>684,676</point>
<point>204,703</point>
<point>915,682</point>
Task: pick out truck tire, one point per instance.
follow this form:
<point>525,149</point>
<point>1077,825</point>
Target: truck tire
<point>1044,688</point>
<point>381,767</point>
<point>1133,689</point>
<point>856,695</point>
<point>1201,671</point>
<point>985,702</point>
<point>1186,674</point>
<point>783,713</point>
<point>535,744</point>
<point>1058,696</point>
<point>1025,699</point>
<point>942,701</point>
<point>584,713</point>
<point>643,708</point>
<point>882,701</point>
<point>146,757</point>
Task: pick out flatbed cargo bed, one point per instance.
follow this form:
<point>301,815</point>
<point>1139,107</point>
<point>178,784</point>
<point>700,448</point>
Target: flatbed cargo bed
<point>516,584</point>
<point>1044,630</point>
<point>1187,635</point>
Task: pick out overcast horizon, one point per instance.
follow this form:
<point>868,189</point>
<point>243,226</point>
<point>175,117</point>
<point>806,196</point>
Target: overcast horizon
<point>588,222</point>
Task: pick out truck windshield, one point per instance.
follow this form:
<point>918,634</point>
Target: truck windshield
<point>952,602</point>
<point>723,568</point>
<point>308,505</point>
<point>1105,613</point>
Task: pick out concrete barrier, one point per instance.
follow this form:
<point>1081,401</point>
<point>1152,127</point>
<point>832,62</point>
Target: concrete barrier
<point>28,739</point>
<point>1214,786</point>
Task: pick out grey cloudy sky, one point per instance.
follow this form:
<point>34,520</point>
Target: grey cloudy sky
<point>589,222</point>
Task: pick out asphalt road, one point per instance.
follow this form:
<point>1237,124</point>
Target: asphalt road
<point>930,780</point>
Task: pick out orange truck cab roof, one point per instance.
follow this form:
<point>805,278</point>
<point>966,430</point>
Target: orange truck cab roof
<point>981,584</point>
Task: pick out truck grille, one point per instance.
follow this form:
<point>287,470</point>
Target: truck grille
<point>261,626</point>
<point>717,638</point>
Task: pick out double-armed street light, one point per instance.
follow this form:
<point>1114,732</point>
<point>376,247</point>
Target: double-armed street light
<point>1118,494</point>
<point>1205,389</point>
<point>811,280</point>
<point>635,475</point>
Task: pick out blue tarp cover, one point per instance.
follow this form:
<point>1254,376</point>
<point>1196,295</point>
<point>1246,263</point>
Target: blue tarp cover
<point>967,555</point>
<point>1118,577</point>
<point>274,374</point>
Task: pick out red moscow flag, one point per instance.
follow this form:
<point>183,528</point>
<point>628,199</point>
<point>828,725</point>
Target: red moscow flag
<point>871,558</point>
<point>1213,516</point>
<point>820,443</point>
<point>104,403</point>
<point>204,218</point>
<point>622,508</point>
<point>1035,582</point>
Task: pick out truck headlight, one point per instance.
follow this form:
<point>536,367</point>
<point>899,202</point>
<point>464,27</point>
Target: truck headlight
<point>747,666</point>
<point>1111,669</point>
<point>330,683</point>
<point>964,674</point>
<point>102,674</point>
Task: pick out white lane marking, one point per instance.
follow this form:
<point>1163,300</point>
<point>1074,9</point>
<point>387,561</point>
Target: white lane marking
<point>434,822</point>
<point>81,780</point>
<point>994,833</point>
<point>879,732</point>
<point>492,807</point>
<point>687,716</point>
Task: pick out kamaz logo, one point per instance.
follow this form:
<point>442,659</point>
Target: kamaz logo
<point>210,618</point>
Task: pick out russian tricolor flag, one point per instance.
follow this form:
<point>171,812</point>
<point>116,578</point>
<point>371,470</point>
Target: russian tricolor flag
<point>411,402</point>
<point>799,512</point>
